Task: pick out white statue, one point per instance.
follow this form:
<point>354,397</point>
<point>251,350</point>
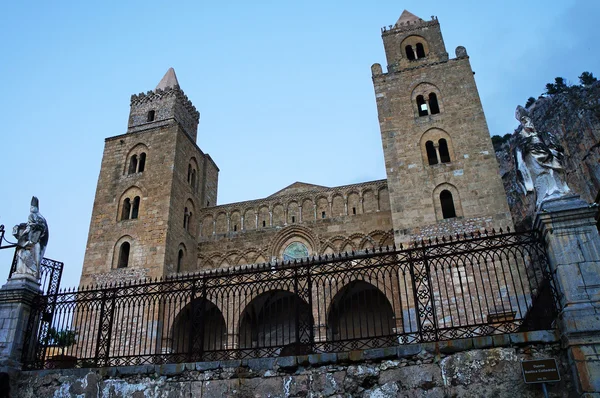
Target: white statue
<point>539,161</point>
<point>32,239</point>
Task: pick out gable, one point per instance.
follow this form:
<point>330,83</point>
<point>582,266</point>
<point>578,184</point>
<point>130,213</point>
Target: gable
<point>296,188</point>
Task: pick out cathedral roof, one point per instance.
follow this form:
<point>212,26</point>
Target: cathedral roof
<point>296,188</point>
<point>407,16</point>
<point>168,80</point>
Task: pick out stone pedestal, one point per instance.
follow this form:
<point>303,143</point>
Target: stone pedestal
<point>16,297</point>
<point>568,227</point>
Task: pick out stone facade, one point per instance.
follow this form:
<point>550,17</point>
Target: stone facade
<point>439,159</point>
<point>163,219</point>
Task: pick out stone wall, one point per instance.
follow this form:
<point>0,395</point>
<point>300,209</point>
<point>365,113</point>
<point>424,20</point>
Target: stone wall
<point>483,367</point>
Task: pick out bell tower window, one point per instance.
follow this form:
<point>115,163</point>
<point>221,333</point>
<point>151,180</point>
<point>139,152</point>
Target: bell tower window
<point>431,153</point>
<point>126,209</point>
<point>133,162</point>
<point>410,53</point>
<point>124,255</point>
<point>433,104</point>
<point>151,115</point>
<point>444,153</point>
<point>447,202</point>
<point>142,162</point>
<point>422,106</point>
<point>420,51</point>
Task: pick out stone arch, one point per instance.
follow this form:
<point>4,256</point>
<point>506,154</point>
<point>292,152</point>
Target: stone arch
<point>193,174</point>
<point>369,201</point>
<point>354,203</point>
<point>424,103</point>
<point>124,243</point>
<point>235,221</point>
<point>434,136</point>
<point>359,310</point>
<point>202,322</point>
<point>412,42</point>
<point>264,218</point>
<point>356,239</point>
<point>322,207</point>
<point>387,240</point>
<point>328,249</point>
<point>132,160</point>
<point>384,199</point>
<point>291,234</point>
<point>207,225</point>
<point>126,206</point>
<point>308,210</point>
<point>338,205</point>
<point>249,219</point>
<point>221,223</point>
<point>203,263</point>
<point>293,212</point>
<point>272,319</point>
<point>181,262</point>
<point>437,204</point>
<point>278,215</point>
<point>367,243</point>
<point>189,215</point>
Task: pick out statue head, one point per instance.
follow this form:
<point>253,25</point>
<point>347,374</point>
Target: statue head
<point>35,204</point>
<point>522,115</point>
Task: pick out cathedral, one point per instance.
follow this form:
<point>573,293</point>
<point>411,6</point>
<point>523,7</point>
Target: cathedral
<point>156,214</point>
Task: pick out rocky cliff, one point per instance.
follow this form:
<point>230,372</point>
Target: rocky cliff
<point>573,116</point>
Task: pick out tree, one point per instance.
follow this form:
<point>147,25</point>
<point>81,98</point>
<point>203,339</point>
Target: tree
<point>529,102</point>
<point>587,78</point>
<point>61,338</point>
<point>558,86</point>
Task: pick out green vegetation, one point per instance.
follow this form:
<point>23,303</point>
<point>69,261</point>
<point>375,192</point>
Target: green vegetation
<point>497,141</point>
<point>61,338</point>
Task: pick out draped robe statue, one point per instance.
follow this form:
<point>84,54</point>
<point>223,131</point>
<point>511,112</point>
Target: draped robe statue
<point>539,161</point>
<point>32,239</point>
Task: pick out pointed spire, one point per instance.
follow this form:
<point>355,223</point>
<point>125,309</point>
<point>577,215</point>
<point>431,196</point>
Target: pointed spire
<point>168,80</point>
<point>407,17</point>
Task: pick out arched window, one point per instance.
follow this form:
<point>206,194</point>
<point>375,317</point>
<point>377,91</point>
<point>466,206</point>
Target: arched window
<point>151,115</point>
<point>135,208</point>
<point>410,54</point>
<point>420,51</point>
<point>431,154</point>
<point>193,181</point>
<point>422,106</point>
<point>444,153</point>
<point>126,209</point>
<point>179,260</point>
<point>189,173</point>
<point>142,162</point>
<point>186,219</point>
<point>448,210</point>
<point>133,162</point>
<point>123,255</point>
<point>433,104</point>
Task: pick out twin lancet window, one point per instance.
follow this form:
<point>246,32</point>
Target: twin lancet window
<point>191,177</point>
<point>130,209</point>
<point>437,153</point>
<point>137,164</point>
<point>416,52</point>
<point>428,106</point>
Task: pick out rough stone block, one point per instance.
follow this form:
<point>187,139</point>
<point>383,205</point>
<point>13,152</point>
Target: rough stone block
<point>258,364</point>
<point>202,366</point>
<point>410,350</point>
<point>380,353</point>
<point>286,362</point>
<point>322,359</point>
<point>427,377</point>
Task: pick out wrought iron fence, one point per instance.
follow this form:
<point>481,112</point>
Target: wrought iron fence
<point>437,290</point>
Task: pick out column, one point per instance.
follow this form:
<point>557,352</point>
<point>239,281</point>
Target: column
<point>568,227</point>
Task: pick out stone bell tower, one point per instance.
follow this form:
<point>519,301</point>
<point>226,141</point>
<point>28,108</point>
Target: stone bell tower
<point>442,172</point>
<point>153,181</point>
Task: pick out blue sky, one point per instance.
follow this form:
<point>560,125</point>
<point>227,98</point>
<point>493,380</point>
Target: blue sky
<point>283,88</point>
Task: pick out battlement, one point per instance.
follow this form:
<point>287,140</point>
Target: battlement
<point>406,26</point>
<point>159,94</point>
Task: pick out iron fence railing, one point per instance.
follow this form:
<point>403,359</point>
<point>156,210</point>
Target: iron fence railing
<point>445,289</point>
